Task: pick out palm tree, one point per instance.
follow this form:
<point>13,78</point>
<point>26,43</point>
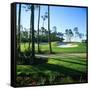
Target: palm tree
<point>81,35</point>
<point>42,28</point>
<point>55,30</point>
<point>70,35</point>
<point>67,34</point>
<point>28,8</point>
<point>38,28</point>
<point>76,31</point>
<point>44,17</point>
<point>49,38</point>
<point>19,23</point>
<point>32,29</point>
<point>30,34</point>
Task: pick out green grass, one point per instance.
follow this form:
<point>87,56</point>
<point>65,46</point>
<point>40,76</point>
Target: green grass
<point>69,62</point>
<point>69,68</point>
<point>66,65</point>
<point>45,48</point>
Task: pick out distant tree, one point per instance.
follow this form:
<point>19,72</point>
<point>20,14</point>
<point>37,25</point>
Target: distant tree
<point>54,30</point>
<point>59,34</point>
<point>43,30</point>
<point>76,31</point>
<point>69,34</point>
<point>44,17</point>
<point>81,35</point>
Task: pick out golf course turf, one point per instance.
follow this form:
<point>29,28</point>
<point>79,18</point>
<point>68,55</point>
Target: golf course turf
<point>66,65</point>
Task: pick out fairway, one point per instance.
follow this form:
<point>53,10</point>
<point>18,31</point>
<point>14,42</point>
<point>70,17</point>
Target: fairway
<point>81,48</point>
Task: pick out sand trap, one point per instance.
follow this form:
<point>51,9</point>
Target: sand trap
<point>68,45</point>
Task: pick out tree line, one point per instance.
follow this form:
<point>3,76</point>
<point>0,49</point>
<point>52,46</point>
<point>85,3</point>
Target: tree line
<point>32,35</point>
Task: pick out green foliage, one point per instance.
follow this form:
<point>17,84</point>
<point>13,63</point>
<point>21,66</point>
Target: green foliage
<point>55,38</point>
<point>42,38</point>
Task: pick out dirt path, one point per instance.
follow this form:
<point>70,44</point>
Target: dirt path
<point>62,55</point>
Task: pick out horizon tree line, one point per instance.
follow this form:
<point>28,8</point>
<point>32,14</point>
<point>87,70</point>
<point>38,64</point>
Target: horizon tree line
<point>73,33</point>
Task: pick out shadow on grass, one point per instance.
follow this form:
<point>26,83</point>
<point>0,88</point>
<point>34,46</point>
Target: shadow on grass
<point>67,60</point>
<point>57,72</point>
<point>28,61</point>
<point>45,73</point>
<point>42,65</point>
<point>77,58</point>
<point>59,69</point>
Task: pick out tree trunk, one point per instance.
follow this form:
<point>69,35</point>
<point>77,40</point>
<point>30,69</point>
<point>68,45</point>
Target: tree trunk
<point>43,28</point>
<point>49,37</point>
<point>38,30</point>
<point>19,22</point>
<point>32,28</point>
<point>30,33</point>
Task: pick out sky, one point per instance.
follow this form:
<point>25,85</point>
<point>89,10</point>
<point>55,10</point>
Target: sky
<point>61,17</point>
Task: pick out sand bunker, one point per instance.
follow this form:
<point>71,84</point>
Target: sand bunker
<point>68,45</point>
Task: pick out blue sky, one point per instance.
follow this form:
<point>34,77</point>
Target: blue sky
<point>61,17</point>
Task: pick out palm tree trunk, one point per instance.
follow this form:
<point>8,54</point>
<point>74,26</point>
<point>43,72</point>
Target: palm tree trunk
<point>32,28</point>
<point>49,38</point>
<point>19,22</point>
<point>30,33</point>
<point>38,30</point>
